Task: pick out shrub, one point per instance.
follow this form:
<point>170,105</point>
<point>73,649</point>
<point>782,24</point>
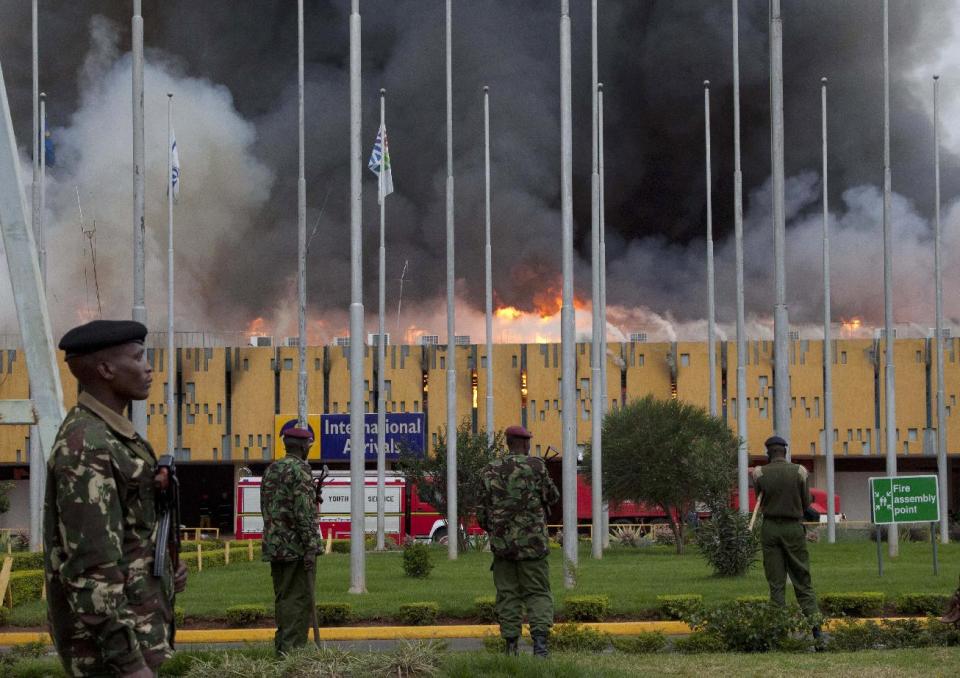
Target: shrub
<point>419,614</point>
<point>208,545</point>
<point>210,559</point>
<point>416,560</point>
<point>678,606</point>
<point>863,604</point>
<point>629,537</point>
<point>750,626</point>
<point>922,603</point>
<point>850,636</point>
<point>941,634</point>
<point>644,643</point>
<point>727,543</point>
<point>919,534</point>
<point>698,642</point>
<point>486,608</point>
<point>4,616</point>
<point>586,608</point>
<point>334,614</point>
<point>244,615</point>
<point>25,585</point>
<point>27,560</point>
<point>577,638</point>
<point>340,546</point>
<point>494,643</point>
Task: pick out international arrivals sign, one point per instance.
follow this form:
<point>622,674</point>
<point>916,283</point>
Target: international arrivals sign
<point>403,430</point>
<point>904,499</point>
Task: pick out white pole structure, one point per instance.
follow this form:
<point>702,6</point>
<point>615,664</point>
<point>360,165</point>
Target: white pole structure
<point>35,153</point>
<point>138,408</point>
<point>603,294</point>
<point>711,301</point>
<point>743,454</point>
<point>781,323</point>
<point>889,381</point>
<point>827,338</point>
<point>358,576</point>
<point>567,317</point>
<point>453,527</point>
<point>171,348</point>
<point>488,263</point>
<point>43,188</point>
<point>596,359</point>
<point>938,331</point>
<point>301,235</point>
<point>381,361</point>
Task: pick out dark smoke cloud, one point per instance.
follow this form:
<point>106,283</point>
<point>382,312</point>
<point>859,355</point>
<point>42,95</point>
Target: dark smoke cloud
<point>654,56</point>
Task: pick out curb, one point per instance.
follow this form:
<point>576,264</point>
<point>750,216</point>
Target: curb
<point>360,633</point>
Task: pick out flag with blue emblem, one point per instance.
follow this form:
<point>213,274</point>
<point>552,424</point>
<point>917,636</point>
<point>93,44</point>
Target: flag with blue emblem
<point>380,164</point>
<point>174,166</point>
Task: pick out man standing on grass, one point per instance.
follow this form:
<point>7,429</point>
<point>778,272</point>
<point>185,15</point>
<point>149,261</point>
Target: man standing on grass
<point>786,495</point>
<point>515,496</point>
<point>291,540</point>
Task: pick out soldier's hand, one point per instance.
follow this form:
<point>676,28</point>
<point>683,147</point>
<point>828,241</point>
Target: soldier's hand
<point>310,562</point>
<point>180,578</point>
<point>161,479</point>
<point>140,673</point>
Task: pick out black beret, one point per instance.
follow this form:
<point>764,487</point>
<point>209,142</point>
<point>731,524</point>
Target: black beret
<point>100,334</point>
<point>775,440</point>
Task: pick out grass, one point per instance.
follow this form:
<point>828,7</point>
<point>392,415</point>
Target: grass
<point>632,578</point>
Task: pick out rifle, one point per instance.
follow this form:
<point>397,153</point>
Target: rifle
<point>168,531</point>
<point>312,579</point>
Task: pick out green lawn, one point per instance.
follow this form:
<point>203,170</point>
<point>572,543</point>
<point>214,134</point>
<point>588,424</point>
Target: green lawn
<point>631,578</point>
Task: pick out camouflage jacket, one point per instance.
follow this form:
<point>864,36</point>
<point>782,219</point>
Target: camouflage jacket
<point>289,507</point>
<point>515,494</point>
<point>107,613</point>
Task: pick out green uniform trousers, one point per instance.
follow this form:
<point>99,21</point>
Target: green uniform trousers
<point>523,584</point>
<point>291,589</point>
<point>784,544</point>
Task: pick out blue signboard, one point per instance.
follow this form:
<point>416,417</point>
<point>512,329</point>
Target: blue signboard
<point>404,430</point>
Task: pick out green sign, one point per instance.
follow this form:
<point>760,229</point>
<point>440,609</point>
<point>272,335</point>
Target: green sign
<point>904,499</point>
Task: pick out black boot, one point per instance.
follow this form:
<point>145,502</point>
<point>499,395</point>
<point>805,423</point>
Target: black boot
<point>817,638</point>
<point>512,648</point>
<point>540,646</point>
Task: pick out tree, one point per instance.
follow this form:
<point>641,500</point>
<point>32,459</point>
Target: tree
<point>667,453</point>
<point>429,474</point>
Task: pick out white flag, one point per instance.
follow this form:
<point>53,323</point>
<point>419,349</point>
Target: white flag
<point>380,161</point>
<point>174,166</point>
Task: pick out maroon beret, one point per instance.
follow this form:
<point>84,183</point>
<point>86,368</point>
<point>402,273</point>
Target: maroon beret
<point>517,432</point>
<point>294,432</point>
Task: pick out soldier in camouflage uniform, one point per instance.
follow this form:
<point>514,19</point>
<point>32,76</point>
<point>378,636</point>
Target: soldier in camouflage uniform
<point>291,540</point>
<point>107,613</point>
<point>786,495</point>
<point>516,493</point>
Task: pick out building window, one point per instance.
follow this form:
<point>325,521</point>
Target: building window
<point>685,360</point>
<point>514,362</point>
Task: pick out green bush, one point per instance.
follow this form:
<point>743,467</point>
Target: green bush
<point>210,559</point>
<point>749,626</point>
<point>644,643</point>
<point>334,614</point>
<point>244,615</point>
<point>26,560</point>
<point>586,608</point>
<point>862,604</point>
<point>416,560</point>
<point>494,643</point>
<point>208,545</point>
<point>678,606</point>
<point>26,585</point>
<point>922,603</point>
<point>577,638</point>
<point>851,635</point>
<point>848,635</point>
<point>4,616</point>
<point>340,546</point>
<point>699,642</point>
<point>727,543</point>
<point>486,608</point>
<point>419,614</point>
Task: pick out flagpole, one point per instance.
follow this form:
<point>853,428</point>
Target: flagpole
<point>37,461</point>
<point>938,331</point>
<point>301,235</point>
<point>890,379</point>
<point>488,265</point>
<point>827,338</point>
<point>138,408</point>
<point>781,322</point>
<point>35,155</point>
<point>453,529</point>
<point>43,188</point>
<point>711,301</point>
<point>171,348</point>
<point>743,454</point>
<point>358,577</point>
<point>596,359</point>
<point>605,507</point>
<point>381,364</point>
<point>567,313</point>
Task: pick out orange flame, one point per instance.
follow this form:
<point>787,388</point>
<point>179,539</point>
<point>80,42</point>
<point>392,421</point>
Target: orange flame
<point>257,328</point>
<point>508,313</point>
<point>848,328</point>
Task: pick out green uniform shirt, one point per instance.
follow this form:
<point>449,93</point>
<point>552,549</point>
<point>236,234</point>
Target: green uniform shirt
<point>288,503</point>
<point>785,487</point>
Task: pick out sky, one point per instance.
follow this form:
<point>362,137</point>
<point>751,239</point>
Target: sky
<point>232,69</point>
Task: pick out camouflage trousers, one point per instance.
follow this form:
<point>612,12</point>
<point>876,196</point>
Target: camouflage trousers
<point>523,585</point>
<point>291,588</point>
<point>784,545</point>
